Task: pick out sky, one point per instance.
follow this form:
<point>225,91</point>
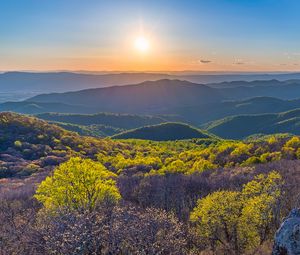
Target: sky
<point>200,35</point>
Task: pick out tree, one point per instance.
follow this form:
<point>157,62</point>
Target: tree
<point>217,217</point>
<point>239,221</point>
<point>78,184</point>
<point>261,207</point>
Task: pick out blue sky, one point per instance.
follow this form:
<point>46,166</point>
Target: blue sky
<point>221,35</point>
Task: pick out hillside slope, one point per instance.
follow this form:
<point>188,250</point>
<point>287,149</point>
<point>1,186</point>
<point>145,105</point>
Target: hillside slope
<point>200,114</point>
<point>157,97</point>
<point>144,98</point>
<point>28,107</point>
<point>29,145</point>
<point>241,126</point>
<point>124,121</point>
<point>163,132</point>
<point>196,114</point>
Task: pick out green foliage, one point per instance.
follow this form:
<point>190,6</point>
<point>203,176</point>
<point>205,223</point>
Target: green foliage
<point>217,211</point>
<point>100,124</point>
<point>239,220</point>
<point>48,145</point>
<point>124,161</point>
<point>192,156</point>
<point>30,140</point>
<point>94,130</point>
<point>164,132</point>
<point>166,175</point>
<point>78,184</point>
<point>241,126</point>
<point>18,144</point>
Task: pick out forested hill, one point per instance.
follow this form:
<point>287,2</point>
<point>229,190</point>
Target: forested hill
<point>241,126</point>
<point>29,145</point>
<point>165,183</point>
<point>101,124</point>
<point>200,114</point>
<point>124,121</point>
<point>195,114</point>
<point>164,132</point>
<point>27,107</point>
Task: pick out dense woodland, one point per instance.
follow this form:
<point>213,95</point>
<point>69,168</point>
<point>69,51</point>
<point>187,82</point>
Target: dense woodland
<point>62,193</point>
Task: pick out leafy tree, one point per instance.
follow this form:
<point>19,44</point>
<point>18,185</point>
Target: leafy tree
<point>217,217</point>
<point>202,165</point>
<point>78,184</point>
<point>235,221</point>
<point>18,144</point>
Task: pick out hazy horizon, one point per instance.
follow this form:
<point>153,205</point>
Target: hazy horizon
<point>182,72</point>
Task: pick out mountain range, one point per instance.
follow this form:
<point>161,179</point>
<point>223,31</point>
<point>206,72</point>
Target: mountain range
<point>167,96</point>
<point>29,82</point>
<point>241,126</point>
<point>144,98</point>
<point>123,121</point>
<point>103,111</point>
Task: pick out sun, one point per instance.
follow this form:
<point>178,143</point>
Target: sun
<point>142,44</point>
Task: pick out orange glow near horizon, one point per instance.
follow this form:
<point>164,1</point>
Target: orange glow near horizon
<point>140,50</point>
<point>140,53</point>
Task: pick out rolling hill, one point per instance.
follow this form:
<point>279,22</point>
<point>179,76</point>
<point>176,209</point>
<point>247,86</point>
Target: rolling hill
<point>201,114</point>
<point>241,126</point>
<point>100,124</point>
<point>123,121</point>
<point>282,90</point>
<point>95,130</point>
<point>28,107</point>
<point>29,145</point>
<point>156,97</point>
<point>195,114</point>
<point>164,132</point>
<point>144,98</point>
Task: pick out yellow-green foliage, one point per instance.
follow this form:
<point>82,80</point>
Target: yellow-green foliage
<point>239,219</point>
<point>18,144</point>
<point>190,157</point>
<point>292,147</point>
<point>294,142</point>
<point>122,161</point>
<point>78,184</point>
<point>216,209</point>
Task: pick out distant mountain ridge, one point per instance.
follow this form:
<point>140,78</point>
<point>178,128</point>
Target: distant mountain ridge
<point>200,114</point>
<point>124,121</point>
<point>156,97</point>
<point>146,97</point>
<point>196,114</point>
<point>67,81</point>
<point>241,126</point>
<point>27,107</point>
<point>44,82</point>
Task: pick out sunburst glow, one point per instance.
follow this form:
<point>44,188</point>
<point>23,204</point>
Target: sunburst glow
<point>142,44</point>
